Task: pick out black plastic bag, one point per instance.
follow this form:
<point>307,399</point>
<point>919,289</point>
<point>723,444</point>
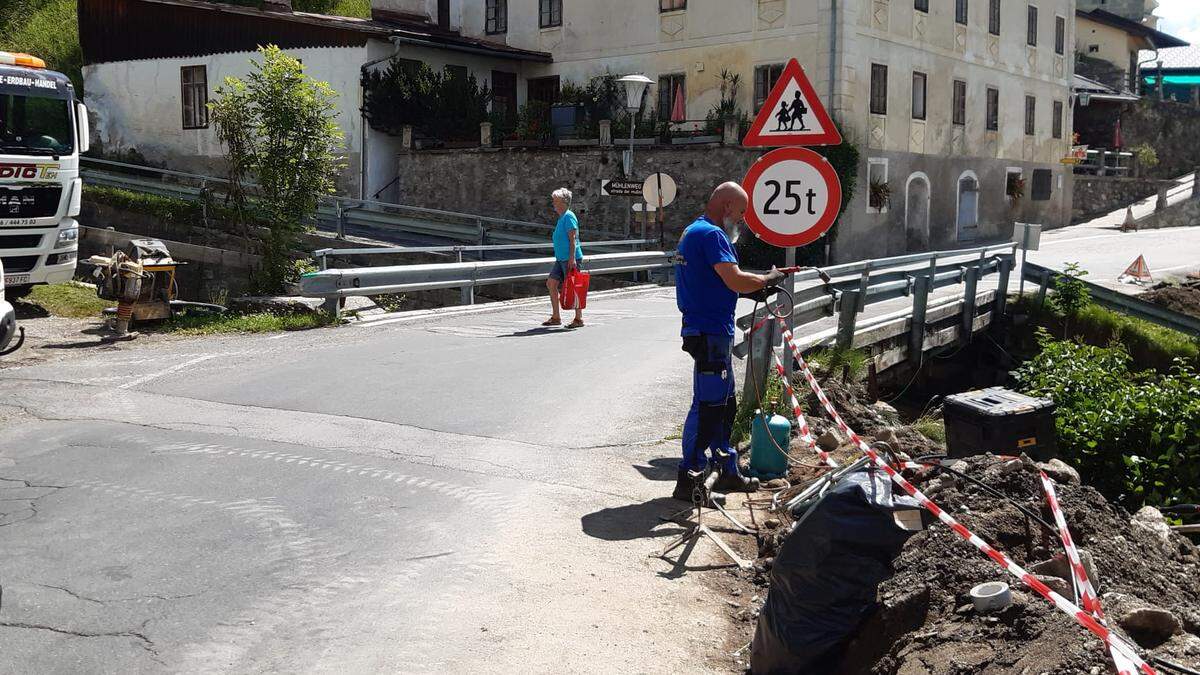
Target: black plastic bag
<point>824,578</point>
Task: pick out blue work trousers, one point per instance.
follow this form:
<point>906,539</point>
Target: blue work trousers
<point>714,403</point>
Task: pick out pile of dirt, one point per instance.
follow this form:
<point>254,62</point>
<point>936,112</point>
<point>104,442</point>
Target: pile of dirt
<point>1148,576</point>
<point>1184,299</point>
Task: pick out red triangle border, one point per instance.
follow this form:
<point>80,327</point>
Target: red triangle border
<point>755,137</point>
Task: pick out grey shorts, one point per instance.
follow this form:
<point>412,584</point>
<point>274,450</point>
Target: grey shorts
<point>560,269</point>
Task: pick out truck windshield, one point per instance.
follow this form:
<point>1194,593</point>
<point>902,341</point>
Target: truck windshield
<point>35,125</point>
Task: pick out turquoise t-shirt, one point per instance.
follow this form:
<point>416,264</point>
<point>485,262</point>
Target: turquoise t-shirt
<point>562,242</point>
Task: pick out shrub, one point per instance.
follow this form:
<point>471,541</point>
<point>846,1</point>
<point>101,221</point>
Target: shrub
<point>1135,436</point>
<point>439,104</point>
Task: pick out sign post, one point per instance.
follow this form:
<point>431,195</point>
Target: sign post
<point>659,191</point>
<point>1029,237</point>
<point>795,194</point>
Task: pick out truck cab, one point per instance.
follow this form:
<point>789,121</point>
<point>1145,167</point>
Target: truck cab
<point>43,130</point>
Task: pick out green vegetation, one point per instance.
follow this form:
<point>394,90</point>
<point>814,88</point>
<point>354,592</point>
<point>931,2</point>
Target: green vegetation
<point>47,29</point>
<point>834,360</point>
<point>356,8</point>
<point>932,428</point>
<point>71,299</point>
<point>439,104</point>
<point>279,130</point>
<point>213,324</point>
<point>170,210</point>
<point>1135,436</point>
<point>774,402</point>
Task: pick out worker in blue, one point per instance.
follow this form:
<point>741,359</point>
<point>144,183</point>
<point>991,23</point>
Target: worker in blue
<point>708,281</point>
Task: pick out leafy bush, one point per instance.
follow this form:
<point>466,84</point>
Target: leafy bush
<point>438,104</point>
<point>727,108</point>
<point>47,29</point>
<point>1133,436</point>
<point>533,121</point>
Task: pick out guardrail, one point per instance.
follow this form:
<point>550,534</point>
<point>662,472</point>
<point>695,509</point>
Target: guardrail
<point>337,214</point>
<point>340,283</point>
<point>1115,300</point>
<point>854,286</point>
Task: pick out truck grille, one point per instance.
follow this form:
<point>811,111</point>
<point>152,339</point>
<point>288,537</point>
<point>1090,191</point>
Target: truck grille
<point>29,202</point>
<point>20,241</point>
<point>19,263</point>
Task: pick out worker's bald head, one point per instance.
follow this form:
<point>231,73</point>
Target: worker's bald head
<point>727,207</point>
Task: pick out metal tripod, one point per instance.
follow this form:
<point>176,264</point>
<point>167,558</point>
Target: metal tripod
<point>701,494</point>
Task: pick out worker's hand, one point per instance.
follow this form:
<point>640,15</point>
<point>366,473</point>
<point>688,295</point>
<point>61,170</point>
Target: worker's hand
<point>773,278</point>
<point>571,264</point>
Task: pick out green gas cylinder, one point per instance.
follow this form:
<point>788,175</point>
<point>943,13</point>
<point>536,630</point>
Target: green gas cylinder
<point>766,460</point>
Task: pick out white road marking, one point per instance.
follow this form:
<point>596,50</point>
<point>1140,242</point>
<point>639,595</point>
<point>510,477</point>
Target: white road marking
<point>168,371</point>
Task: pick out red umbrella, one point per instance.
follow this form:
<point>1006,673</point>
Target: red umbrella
<point>678,110</point>
<point>1117,140</point>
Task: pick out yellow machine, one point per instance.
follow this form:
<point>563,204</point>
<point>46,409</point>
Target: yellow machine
<point>141,279</point>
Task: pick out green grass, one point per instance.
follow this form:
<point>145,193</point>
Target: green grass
<point>774,401</point>
<point>356,8</point>
<point>216,324</point>
<point>70,300</point>
<point>169,209</point>
<point>1150,345</point>
<point>932,428</point>
<point>45,28</point>
<point>834,359</point>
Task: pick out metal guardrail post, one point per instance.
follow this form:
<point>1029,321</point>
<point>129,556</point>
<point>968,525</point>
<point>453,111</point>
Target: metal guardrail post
<point>331,306</point>
<point>482,236</point>
<point>863,283</point>
<point>847,318</point>
<point>1042,287</point>
<point>1005,266</point>
<point>341,219</point>
<point>468,291</point>
<point>970,287</point>
<point>916,334</point>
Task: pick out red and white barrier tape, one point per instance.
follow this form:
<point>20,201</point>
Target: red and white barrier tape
<point>1064,605</point>
<point>1089,598</point>
<point>801,421</point>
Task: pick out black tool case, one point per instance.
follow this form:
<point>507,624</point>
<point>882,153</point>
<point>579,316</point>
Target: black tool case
<point>1001,422</point>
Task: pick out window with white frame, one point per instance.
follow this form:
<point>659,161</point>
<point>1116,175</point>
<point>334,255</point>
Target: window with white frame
<point>878,191</point>
<point>765,78</point>
<point>918,95</point>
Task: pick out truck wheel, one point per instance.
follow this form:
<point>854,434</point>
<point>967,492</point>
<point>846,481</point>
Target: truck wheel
<point>17,292</point>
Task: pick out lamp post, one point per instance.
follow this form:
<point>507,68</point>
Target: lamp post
<point>635,87</point>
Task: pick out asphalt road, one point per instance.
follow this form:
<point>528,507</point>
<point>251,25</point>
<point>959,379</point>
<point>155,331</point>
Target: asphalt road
<point>452,494</point>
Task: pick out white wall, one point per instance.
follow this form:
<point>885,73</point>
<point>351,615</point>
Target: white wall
<point>137,105</point>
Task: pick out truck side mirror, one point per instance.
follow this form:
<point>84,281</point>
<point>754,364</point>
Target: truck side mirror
<point>81,121</point>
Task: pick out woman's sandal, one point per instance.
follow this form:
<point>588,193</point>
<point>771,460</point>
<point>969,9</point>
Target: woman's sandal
<point>552,322</point>
<point>577,323</point>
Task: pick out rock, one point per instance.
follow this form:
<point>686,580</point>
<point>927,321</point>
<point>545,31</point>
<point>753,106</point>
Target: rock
<point>1150,519</point>
<point>1056,584</point>
<point>888,435</point>
<point>1060,567</point>
<point>1149,626</point>
<point>885,409</point>
<point>276,305</point>
<point>1011,466</point>
<point>775,484</point>
<point>1060,471</point>
<point>829,441</point>
<point>771,523</point>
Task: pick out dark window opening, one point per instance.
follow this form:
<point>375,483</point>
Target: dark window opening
<point>921,5</point>
<point>960,103</point>
<point>1030,116</point>
<point>1042,185</point>
<point>960,12</point>
<point>878,89</point>
<point>496,16</point>
<point>193,81</point>
<point>1058,119</point>
<point>918,96</point>
<point>994,17</point>
<point>993,109</point>
<point>1060,35</point>
<point>765,78</point>
<point>671,5</point>
<point>670,86</point>
<point>549,13</point>
<point>1032,31</point>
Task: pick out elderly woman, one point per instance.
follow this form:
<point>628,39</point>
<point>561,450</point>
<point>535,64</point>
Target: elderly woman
<point>568,254</point>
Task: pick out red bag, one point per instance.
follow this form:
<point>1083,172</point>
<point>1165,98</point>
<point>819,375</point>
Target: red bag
<point>574,289</point>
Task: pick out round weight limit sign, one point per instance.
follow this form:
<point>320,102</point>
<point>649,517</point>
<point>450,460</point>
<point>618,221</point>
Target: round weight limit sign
<point>795,196</point>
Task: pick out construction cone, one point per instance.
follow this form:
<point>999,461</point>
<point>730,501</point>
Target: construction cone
<point>1130,222</point>
<point>1138,271</point>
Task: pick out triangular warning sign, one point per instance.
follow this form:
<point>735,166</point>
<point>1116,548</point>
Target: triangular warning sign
<point>792,114</point>
<point>1139,270</point>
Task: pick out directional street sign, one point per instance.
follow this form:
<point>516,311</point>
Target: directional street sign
<point>659,190</point>
<point>792,114</point>
<point>620,188</point>
<point>795,196</point>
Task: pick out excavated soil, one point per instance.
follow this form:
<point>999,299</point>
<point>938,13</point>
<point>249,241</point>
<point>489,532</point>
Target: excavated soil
<point>1184,299</point>
<point>925,624</point>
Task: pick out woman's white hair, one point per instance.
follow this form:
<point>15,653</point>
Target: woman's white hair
<point>563,194</point>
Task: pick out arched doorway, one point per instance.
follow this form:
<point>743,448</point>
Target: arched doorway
<point>916,213</point>
<point>967,213</point>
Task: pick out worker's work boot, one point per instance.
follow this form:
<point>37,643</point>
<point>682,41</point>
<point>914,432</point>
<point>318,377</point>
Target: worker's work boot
<point>684,486</point>
<point>735,482</point>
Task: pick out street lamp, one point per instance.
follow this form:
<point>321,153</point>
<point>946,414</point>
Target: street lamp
<point>635,88</point>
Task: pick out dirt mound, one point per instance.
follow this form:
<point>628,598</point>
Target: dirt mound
<point>926,623</point>
<point>1184,299</point>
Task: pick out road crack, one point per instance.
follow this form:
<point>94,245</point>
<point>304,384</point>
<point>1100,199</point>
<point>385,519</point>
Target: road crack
<point>144,642</point>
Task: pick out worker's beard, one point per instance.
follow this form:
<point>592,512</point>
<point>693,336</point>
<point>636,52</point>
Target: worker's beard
<point>733,229</point>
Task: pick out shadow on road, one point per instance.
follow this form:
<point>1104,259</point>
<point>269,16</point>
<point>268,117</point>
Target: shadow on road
<point>29,310</point>
<point>635,521</point>
<point>540,330</point>
<point>662,469</point>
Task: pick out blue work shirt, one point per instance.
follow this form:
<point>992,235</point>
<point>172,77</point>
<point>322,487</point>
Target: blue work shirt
<point>706,302</point>
<point>562,242</point>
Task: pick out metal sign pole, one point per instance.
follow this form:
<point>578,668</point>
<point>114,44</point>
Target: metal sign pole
<point>1024,255</point>
<point>790,284</point>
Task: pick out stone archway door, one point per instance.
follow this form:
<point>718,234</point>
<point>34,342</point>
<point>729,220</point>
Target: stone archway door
<point>916,213</point>
<point>967,218</point>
